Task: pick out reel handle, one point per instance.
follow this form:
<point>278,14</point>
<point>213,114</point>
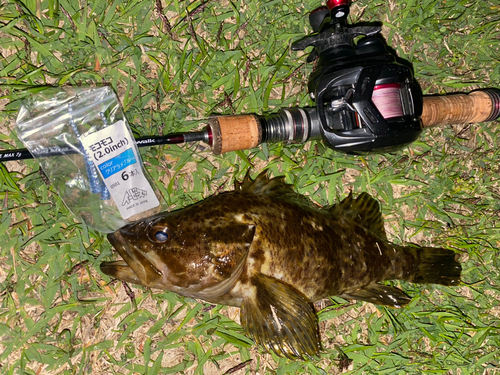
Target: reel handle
<point>477,106</point>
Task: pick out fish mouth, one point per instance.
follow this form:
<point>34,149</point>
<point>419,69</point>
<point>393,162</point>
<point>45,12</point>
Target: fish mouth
<point>120,270</point>
<point>134,267</point>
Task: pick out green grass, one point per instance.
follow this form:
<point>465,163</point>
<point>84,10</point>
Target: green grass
<point>58,315</point>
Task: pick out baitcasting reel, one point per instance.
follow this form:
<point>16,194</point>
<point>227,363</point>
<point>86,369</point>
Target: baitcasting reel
<point>366,101</point>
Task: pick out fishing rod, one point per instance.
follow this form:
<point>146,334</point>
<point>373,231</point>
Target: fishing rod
<point>169,139</point>
<point>241,132</point>
<point>366,99</point>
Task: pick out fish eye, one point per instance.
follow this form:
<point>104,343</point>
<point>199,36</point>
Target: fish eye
<point>160,234</point>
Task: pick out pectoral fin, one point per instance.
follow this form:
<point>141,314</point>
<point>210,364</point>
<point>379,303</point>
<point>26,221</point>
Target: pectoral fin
<point>380,295</point>
<point>279,318</point>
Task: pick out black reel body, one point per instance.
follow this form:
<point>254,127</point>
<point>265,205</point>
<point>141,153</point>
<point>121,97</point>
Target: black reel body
<point>366,101</point>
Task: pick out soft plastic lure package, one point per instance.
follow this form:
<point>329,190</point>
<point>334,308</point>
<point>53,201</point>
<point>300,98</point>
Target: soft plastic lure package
<point>99,173</point>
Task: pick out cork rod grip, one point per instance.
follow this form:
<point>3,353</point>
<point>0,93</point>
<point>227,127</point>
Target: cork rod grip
<point>232,133</point>
<point>478,106</point>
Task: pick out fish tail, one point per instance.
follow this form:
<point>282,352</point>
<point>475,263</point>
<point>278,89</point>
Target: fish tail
<point>436,266</point>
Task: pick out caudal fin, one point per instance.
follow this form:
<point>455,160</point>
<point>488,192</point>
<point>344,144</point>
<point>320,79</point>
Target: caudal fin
<point>436,266</point>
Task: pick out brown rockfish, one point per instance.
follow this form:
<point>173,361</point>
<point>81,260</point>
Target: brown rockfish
<point>269,251</point>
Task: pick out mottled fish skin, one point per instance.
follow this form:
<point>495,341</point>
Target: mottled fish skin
<point>268,250</point>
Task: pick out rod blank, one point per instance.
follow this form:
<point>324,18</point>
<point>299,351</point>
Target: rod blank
<point>23,154</point>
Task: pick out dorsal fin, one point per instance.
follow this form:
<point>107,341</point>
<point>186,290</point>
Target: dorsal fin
<point>275,187</point>
<point>263,185</point>
<point>364,210</point>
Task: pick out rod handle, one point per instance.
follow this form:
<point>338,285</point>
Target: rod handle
<point>232,133</point>
<point>478,106</point>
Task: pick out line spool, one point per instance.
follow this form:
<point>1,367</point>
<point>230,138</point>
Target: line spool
<point>387,99</point>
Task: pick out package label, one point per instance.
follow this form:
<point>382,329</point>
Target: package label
<point>118,163</point>
<point>114,153</point>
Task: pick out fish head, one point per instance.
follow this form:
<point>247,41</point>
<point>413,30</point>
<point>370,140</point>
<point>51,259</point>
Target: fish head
<point>194,252</point>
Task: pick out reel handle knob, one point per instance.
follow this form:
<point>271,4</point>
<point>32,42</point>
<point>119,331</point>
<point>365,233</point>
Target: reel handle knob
<point>339,8</point>
<point>317,16</point>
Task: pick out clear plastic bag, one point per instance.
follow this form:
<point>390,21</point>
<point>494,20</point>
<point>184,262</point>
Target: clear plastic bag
<point>97,170</point>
